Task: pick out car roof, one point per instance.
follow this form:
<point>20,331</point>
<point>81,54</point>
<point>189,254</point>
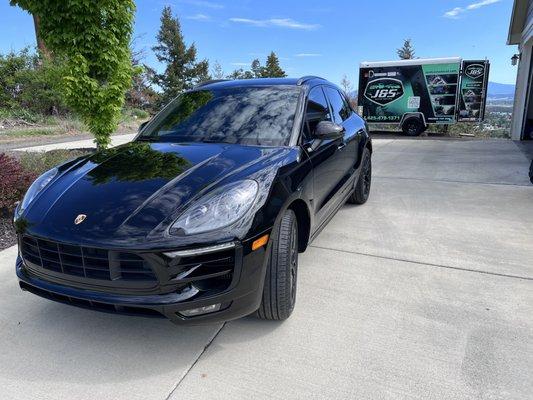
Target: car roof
<point>224,83</point>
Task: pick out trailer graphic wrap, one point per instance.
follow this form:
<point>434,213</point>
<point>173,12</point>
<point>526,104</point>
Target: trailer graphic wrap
<point>384,91</point>
<point>441,84</point>
<point>474,80</point>
<point>390,92</point>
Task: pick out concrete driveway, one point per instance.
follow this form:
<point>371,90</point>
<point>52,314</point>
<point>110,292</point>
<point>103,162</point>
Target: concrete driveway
<point>425,292</point>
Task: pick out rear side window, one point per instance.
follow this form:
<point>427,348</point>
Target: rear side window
<point>341,108</point>
<point>317,110</point>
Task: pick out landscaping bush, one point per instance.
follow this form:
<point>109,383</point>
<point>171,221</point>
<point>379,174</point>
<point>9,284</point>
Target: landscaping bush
<point>14,181</point>
<point>140,114</point>
<point>30,84</point>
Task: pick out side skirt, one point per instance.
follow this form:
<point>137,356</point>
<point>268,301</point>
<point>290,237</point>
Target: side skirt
<point>335,210</point>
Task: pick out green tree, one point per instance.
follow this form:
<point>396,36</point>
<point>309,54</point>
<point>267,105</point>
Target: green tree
<point>93,40</point>
<point>272,68</point>
<point>29,82</point>
<point>182,71</point>
<point>407,51</point>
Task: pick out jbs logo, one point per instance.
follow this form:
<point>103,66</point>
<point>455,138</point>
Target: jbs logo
<point>475,71</point>
<point>384,91</point>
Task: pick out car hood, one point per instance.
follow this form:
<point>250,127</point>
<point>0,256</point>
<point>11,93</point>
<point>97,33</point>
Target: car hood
<point>131,193</point>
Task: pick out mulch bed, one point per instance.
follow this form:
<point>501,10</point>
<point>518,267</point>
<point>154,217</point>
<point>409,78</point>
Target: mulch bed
<point>7,233</point>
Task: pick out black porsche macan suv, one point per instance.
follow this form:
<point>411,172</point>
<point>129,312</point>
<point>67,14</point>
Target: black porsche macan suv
<point>201,217</point>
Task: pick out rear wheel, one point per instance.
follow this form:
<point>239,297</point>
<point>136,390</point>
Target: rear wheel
<point>362,187</point>
<point>413,127</point>
<point>279,291</point>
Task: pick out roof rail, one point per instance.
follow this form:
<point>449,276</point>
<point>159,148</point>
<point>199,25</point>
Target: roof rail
<point>210,82</point>
<point>308,78</point>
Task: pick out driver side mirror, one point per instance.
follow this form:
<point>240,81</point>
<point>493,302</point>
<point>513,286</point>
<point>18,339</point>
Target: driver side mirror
<point>328,130</point>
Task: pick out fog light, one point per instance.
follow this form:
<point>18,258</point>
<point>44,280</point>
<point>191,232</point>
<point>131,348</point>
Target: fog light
<point>191,312</point>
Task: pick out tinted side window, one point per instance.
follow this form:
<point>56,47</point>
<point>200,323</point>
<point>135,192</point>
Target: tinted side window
<point>341,109</point>
<point>347,109</point>
<point>317,110</point>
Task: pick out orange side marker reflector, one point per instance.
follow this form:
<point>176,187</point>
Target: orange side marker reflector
<point>257,244</point>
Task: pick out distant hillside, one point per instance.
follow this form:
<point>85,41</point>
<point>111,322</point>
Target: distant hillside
<point>500,90</point>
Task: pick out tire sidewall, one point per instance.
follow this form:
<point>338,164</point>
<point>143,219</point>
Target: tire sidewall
<point>410,122</point>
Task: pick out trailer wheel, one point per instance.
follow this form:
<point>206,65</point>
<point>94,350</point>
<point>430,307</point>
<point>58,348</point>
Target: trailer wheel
<point>413,127</point>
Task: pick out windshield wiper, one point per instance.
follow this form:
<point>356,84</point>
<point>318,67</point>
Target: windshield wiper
<point>147,139</point>
<point>211,140</point>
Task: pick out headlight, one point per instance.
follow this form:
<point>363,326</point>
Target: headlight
<point>36,187</point>
<point>218,209</point>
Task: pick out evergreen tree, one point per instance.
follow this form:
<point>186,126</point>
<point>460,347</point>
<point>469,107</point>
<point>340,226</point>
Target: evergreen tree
<point>182,70</point>
<point>272,68</point>
<point>407,51</point>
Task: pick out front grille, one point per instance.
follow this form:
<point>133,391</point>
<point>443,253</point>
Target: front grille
<point>87,262</point>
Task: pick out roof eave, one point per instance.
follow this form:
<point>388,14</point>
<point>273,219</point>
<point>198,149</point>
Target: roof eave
<point>516,25</point>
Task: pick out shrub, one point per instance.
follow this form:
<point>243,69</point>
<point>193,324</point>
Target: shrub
<point>140,114</point>
<point>30,84</point>
<point>14,181</point>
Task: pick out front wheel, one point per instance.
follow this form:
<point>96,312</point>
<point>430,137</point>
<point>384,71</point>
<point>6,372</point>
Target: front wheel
<point>362,187</point>
<point>279,291</point>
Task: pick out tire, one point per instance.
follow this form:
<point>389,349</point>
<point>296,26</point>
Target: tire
<point>279,291</point>
<point>413,127</point>
<point>362,187</point>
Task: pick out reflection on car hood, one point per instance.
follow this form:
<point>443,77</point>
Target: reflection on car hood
<point>128,191</point>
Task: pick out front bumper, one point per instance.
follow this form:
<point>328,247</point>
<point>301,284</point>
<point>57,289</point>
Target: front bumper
<point>240,298</point>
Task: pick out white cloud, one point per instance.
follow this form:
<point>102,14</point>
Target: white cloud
<point>199,17</point>
<point>280,22</point>
<point>203,3</point>
<point>290,23</point>
<point>480,4</point>
<point>454,13</point>
<point>457,11</point>
<point>308,55</point>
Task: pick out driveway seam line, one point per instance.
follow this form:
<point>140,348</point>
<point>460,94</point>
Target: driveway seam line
<point>449,181</point>
<point>427,264</point>
<point>194,362</point>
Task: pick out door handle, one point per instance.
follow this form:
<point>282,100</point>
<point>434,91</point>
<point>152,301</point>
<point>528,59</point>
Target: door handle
<point>341,146</point>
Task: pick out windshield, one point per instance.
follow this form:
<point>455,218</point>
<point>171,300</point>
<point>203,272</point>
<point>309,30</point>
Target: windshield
<point>261,116</point>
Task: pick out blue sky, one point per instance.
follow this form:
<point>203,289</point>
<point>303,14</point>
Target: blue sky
<point>325,38</point>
